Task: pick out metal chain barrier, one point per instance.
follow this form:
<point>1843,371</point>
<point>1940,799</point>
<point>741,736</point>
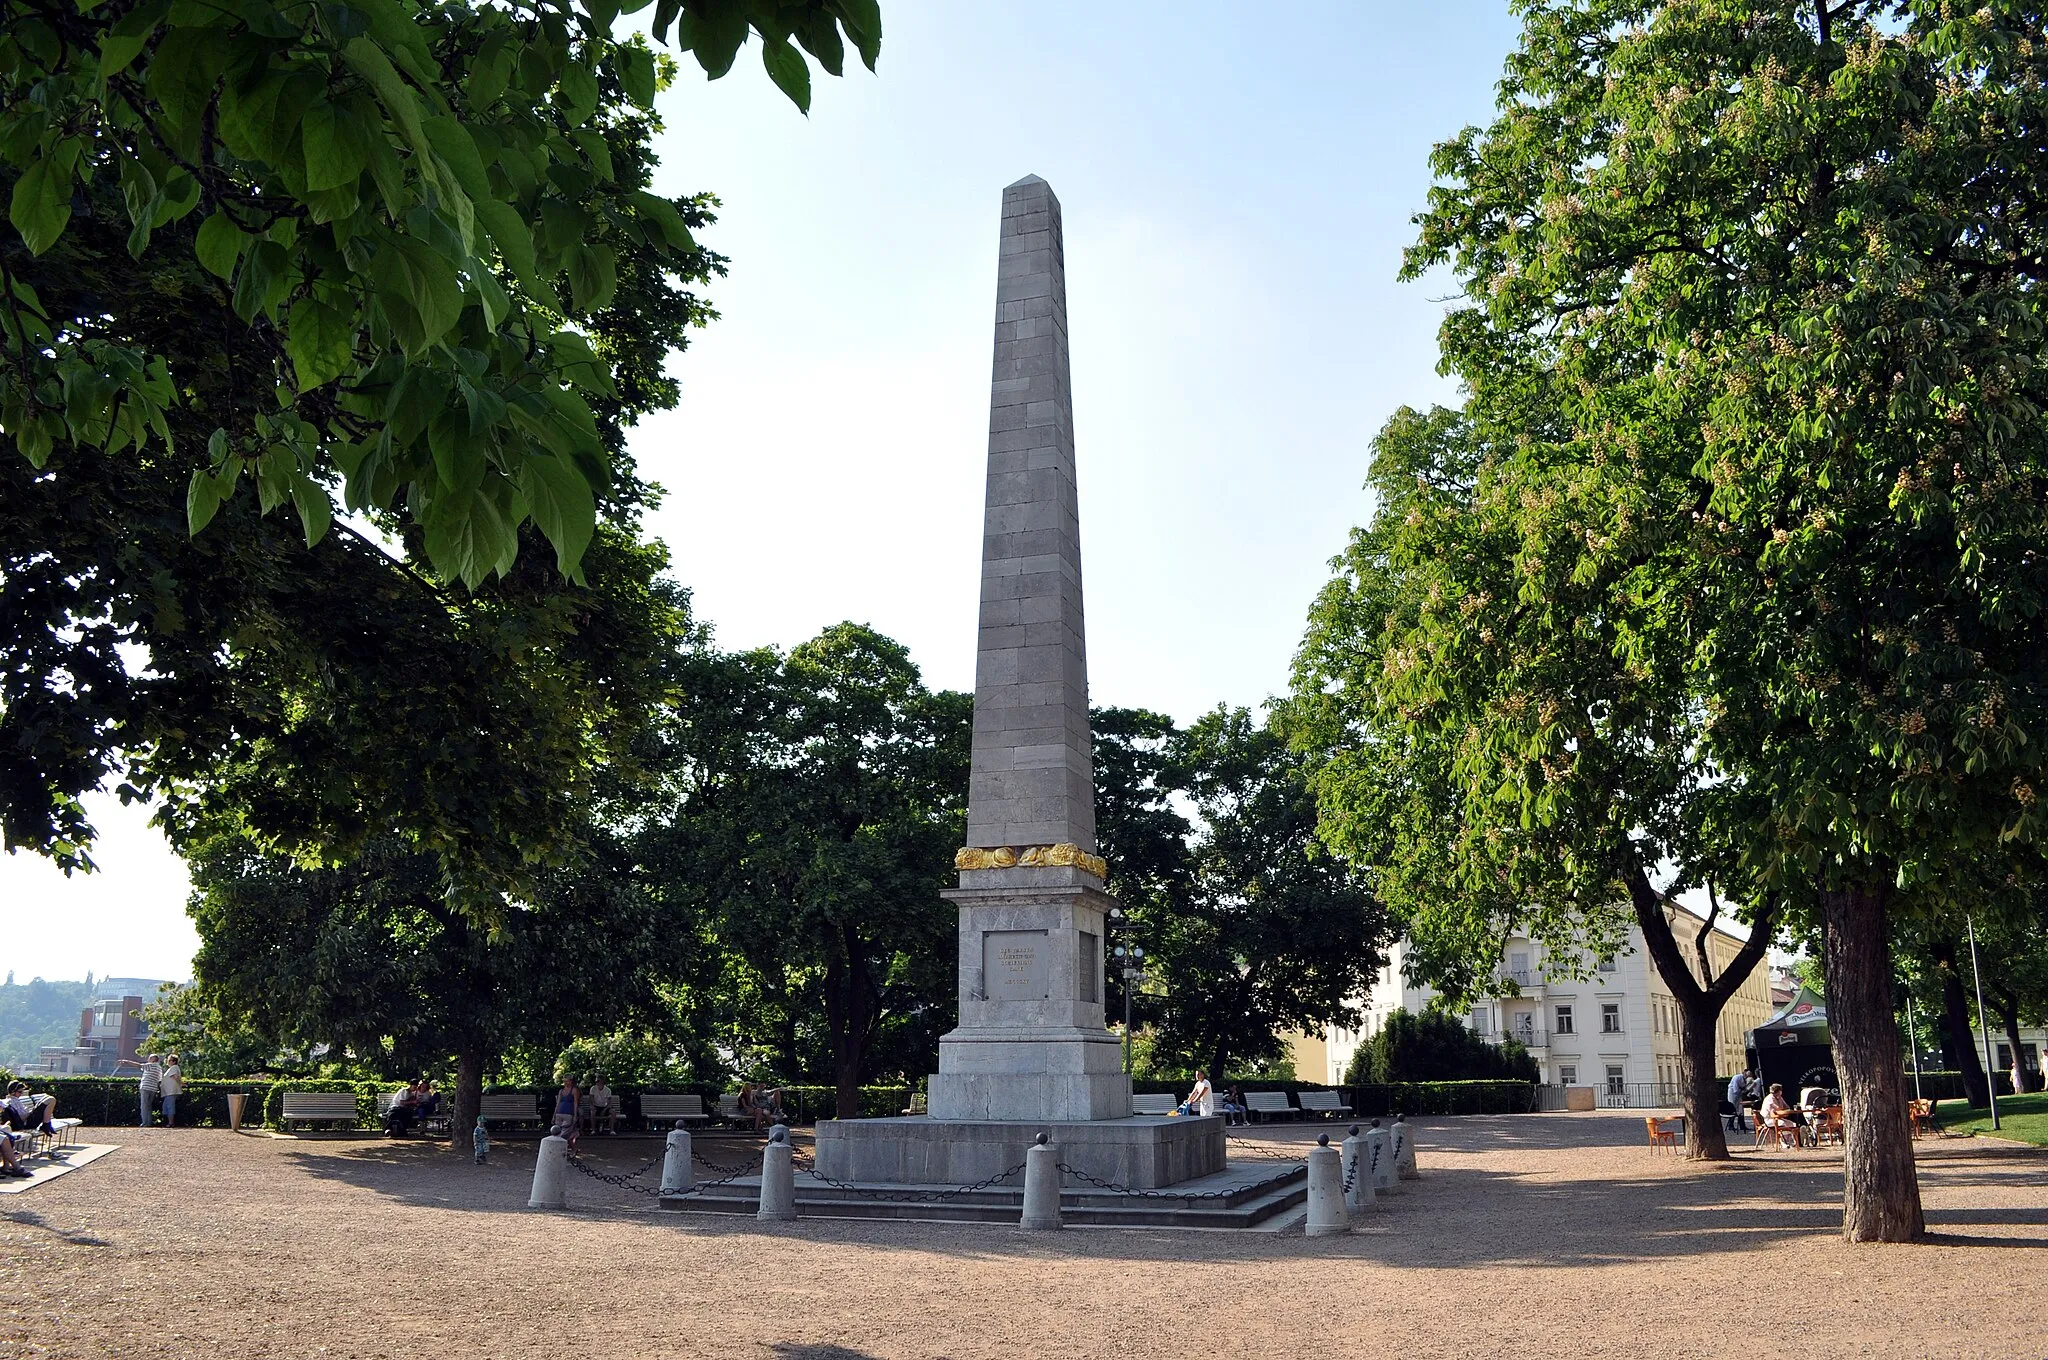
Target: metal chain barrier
<point>627,1180</point>
<point>1183,1195</point>
<point>809,1167</point>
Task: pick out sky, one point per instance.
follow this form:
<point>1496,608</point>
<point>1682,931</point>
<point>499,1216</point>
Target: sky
<point>1237,185</point>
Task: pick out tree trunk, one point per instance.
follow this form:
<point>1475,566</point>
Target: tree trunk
<point>1700,1001</point>
<point>1706,1139</point>
<point>849,1019</point>
<point>2009,1019</point>
<point>1958,1043</point>
<point>1880,1186</point>
<point>469,1098</point>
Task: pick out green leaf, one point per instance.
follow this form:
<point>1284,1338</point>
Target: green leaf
<point>202,501</point>
<point>489,74</point>
<point>419,290</point>
<point>635,66</point>
<point>863,22</point>
<point>578,93</point>
<point>321,341</point>
<point>665,216</point>
<point>515,243</point>
<point>718,37</point>
<point>458,456</point>
<point>336,149</point>
<point>562,506</point>
<point>316,511</point>
<point>593,275</point>
<point>42,202</point>
<point>665,12</point>
<point>788,69</point>
<point>219,244</point>
<point>457,148</point>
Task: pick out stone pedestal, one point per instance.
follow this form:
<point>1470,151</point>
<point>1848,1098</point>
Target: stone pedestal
<point>1142,1152</point>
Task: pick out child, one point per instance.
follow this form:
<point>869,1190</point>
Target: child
<point>482,1141</point>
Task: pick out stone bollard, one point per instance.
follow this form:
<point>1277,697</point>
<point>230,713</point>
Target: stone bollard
<point>551,1175</point>
<point>1358,1194</point>
<point>1041,1187</point>
<point>1379,1157</point>
<point>1404,1150</point>
<point>1326,1212</point>
<point>676,1177</point>
<point>778,1177</point>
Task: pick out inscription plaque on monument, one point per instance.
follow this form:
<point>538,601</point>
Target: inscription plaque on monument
<point>1013,965</point>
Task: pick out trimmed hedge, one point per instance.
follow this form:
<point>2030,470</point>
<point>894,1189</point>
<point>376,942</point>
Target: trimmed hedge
<point>112,1100</point>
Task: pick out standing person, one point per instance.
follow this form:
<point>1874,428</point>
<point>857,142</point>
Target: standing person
<point>152,1074</point>
<point>1198,1095</point>
<point>481,1141</point>
<point>23,1111</point>
<point>568,1103</point>
<point>1738,1090</point>
<point>2019,1077</point>
<point>173,1087</point>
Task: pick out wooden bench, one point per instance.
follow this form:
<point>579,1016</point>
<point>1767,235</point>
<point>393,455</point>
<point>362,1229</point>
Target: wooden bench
<point>1324,1103</point>
<point>1153,1104</point>
<point>919,1104</point>
<point>510,1107</point>
<point>729,1109</point>
<point>318,1107</point>
<point>1271,1104</point>
<point>667,1109</point>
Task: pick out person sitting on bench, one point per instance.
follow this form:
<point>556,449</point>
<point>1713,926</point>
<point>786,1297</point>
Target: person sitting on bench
<point>398,1120</point>
<point>10,1160</point>
<point>24,1111</point>
<point>429,1104</point>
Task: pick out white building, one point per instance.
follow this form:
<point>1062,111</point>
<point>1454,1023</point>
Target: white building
<point>1616,1030</point>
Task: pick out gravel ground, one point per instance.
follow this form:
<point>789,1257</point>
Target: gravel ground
<point>1540,1233</point>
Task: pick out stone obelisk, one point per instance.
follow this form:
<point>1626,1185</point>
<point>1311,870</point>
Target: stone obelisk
<point>1031,1042</point>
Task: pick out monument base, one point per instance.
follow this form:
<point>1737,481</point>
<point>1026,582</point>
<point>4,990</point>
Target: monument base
<point>1143,1153</point>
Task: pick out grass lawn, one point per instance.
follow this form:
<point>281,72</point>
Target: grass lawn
<point>2021,1118</point>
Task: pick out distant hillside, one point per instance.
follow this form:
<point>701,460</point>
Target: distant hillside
<point>36,1013</point>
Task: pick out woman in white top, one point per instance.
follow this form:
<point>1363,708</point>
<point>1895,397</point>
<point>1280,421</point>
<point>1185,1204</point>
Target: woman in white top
<point>173,1087</point>
<point>1198,1097</point>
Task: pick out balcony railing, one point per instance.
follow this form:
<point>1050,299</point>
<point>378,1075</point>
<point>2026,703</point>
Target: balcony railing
<point>1527,1036</point>
<point>1521,977</point>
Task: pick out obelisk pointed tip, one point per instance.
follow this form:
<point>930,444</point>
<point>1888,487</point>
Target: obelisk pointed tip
<point>1027,182</point>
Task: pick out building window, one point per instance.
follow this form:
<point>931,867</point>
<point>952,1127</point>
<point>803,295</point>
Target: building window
<point>1617,1080</point>
<point>1564,1019</point>
<point>1567,1074</point>
<point>1610,1017</point>
<point>1606,965</point>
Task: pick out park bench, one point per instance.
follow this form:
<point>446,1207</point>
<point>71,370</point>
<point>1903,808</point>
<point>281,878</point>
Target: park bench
<point>510,1107</point>
<point>729,1109</point>
<point>1271,1104</point>
<point>318,1107</point>
<point>918,1104</point>
<point>1153,1104</point>
<point>1324,1103</point>
<point>35,1143</point>
<point>667,1109</point>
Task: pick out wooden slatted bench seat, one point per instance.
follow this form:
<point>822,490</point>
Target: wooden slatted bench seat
<point>318,1107</point>
<point>1324,1103</point>
<point>729,1109</point>
<point>510,1107</point>
<point>660,1110</point>
<point>1271,1104</point>
<point>1155,1104</point>
<point>439,1121</point>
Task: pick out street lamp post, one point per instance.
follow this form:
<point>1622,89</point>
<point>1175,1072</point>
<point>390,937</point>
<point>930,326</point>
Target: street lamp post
<point>1983,1024</point>
<point>1131,961</point>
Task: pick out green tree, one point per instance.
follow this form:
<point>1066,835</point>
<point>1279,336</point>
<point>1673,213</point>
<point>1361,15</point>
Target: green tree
<point>1771,270</point>
<point>389,197</point>
<point>208,1041</point>
<point>1255,933</point>
<point>372,960</point>
<point>1436,1046</point>
<point>821,796</point>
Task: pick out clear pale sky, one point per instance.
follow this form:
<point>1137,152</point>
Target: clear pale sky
<point>1237,184</point>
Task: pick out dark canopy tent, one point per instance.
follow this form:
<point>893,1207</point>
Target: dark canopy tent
<point>1793,1043</point>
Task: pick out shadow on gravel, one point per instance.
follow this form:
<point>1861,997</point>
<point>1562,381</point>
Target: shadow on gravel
<point>28,1218</point>
<point>796,1350</point>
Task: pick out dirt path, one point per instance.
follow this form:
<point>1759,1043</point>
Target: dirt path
<point>1531,1234</point>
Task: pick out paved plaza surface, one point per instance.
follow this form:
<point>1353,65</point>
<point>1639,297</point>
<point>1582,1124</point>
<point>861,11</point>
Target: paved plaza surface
<point>1540,1233</point>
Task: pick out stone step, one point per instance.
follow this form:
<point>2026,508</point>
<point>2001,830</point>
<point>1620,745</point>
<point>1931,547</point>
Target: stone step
<point>1244,1206</point>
